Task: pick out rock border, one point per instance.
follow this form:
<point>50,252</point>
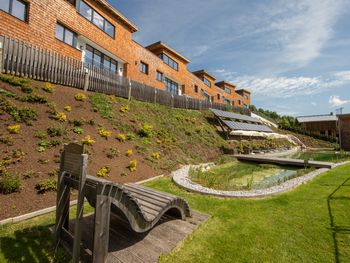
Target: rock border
<point>181,178</point>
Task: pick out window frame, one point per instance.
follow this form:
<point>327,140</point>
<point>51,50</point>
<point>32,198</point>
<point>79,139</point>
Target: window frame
<point>75,35</point>
<point>102,59</point>
<point>159,73</point>
<point>206,81</point>
<point>144,68</point>
<point>93,11</point>
<point>10,10</point>
<point>173,88</point>
<point>196,88</point>
<point>169,61</point>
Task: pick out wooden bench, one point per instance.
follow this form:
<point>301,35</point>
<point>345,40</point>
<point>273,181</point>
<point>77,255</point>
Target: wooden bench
<point>140,206</point>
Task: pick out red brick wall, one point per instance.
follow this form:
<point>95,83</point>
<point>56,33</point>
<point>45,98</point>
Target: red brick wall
<point>40,30</point>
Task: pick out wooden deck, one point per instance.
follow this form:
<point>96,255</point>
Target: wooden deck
<point>284,161</point>
<point>128,246</point>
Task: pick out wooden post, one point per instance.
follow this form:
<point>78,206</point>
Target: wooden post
<point>101,230</point>
<point>86,79</point>
<point>62,204</point>
<point>129,93</point>
<point>155,96</point>
<point>80,208</point>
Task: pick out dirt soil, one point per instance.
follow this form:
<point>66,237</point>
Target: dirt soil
<point>43,165</point>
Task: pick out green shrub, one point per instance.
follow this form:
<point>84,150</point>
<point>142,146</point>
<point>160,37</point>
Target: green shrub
<point>112,153</point>
<point>9,183</point>
<point>78,130</point>
<point>40,135</point>
<point>46,185</point>
<point>78,123</point>
<point>103,172</point>
<point>146,130</point>
<point>54,131</point>
<point>7,140</point>
<point>26,89</point>
<point>34,98</point>
<point>15,81</point>
<point>80,97</point>
<point>27,115</point>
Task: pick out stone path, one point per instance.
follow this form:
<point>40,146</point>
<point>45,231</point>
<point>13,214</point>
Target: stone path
<point>182,179</point>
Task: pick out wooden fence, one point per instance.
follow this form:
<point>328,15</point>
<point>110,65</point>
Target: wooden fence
<point>26,60</point>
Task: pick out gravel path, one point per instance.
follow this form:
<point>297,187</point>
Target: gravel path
<point>182,179</point>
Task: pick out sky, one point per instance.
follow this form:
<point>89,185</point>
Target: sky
<point>294,56</point>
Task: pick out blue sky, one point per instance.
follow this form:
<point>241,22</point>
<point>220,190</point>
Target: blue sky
<point>294,56</point>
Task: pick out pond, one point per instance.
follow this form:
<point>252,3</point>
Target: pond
<point>238,175</point>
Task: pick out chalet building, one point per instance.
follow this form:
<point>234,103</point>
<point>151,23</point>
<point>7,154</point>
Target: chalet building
<point>96,33</point>
<point>320,124</point>
<point>344,131</point>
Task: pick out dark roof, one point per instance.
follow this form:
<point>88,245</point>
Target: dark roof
<point>203,72</point>
<point>161,44</point>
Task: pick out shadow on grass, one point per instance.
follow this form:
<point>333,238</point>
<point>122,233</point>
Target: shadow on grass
<point>32,244</point>
<point>337,230</point>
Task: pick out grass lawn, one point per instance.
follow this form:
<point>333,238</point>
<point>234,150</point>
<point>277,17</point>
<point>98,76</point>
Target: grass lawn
<point>324,156</point>
<point>309,224</point>
<point>239,175</point>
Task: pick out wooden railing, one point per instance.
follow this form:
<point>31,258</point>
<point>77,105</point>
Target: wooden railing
<point>26,60</point>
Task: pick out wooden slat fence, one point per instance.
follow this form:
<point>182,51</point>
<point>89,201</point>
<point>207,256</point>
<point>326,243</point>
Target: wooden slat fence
<point>26,60</point>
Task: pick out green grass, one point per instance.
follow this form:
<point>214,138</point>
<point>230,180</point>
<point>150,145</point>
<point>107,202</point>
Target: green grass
<point>309,224</point>
<point>324,156</point>
<point>31,240</point>
<point>300,226</point>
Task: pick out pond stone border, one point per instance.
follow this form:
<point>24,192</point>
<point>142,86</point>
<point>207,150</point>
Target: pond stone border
<point>181,178</point>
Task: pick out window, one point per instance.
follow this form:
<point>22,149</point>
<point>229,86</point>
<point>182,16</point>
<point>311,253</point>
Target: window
<point>159,76</point>
<point>171,86</point>
<point>66,35</point>
<point>245,97</point>
<point>90,14</point>
<point>170,62</point>
<point>218,96</point>
<point>16,8</point>
<point>144,67</point>
<point>206,81</point>
<point>196,88</point>
<point>228,102</point>
<point>100,60</point>
<point>226,89</point>
<point>206,96</point>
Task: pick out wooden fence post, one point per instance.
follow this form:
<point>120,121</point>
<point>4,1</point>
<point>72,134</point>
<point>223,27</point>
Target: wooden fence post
<point>155,96</point>
<point>129,93</point>
<point>86,79</point>
<point>172,100</point>
<point>1,58</point>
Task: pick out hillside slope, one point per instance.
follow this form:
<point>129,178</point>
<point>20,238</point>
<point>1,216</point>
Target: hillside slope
<point>158,138</point>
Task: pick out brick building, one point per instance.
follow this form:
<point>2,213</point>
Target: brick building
<point>98,34</point>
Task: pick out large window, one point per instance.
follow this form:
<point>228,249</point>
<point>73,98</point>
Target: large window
<point>206,81</point>
<point>171,86</point>
<point>16,8</point>
<point>66,35</point>
<point>170,62</point>
<point>196,88</point>
<point>100,60</point>
<point>144,68</point>
<point>159,76</point>
<point>206,96</point>
<point>93,16</point>
<point>226,89</point>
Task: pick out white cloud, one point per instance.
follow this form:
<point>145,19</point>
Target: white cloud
<point>336,101</point>
<point>287,87</point>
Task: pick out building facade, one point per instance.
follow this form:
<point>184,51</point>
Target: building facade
<point>325,125</point>
<point>344,131</point>
<point>98,34</point>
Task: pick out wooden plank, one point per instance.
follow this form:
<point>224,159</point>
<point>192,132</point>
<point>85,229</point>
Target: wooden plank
<point>30,62</point>
<point>101,230</point>
<point>80,208</point>
<point>150,191</point>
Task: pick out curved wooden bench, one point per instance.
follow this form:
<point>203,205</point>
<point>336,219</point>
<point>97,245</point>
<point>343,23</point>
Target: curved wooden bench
<point>142,207</point>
